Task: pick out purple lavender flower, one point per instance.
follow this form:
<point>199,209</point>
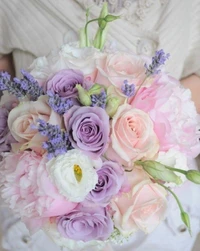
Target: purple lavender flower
<point>128,89</point>
<point>88,129</point>
<point>158,60</point>
<point>86,224</point>
<point>20,88</point>
<point>110,180</point>
<point>99,99</point>
<point>58,104</point>
<point>58,140</point>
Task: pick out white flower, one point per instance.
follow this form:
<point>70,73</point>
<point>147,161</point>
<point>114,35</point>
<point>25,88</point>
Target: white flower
<point>74,174</point>
<point>51,230</point>
<point>175,159</point>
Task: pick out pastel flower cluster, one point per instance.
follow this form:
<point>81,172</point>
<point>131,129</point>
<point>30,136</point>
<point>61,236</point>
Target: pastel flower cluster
<point>84,155</point>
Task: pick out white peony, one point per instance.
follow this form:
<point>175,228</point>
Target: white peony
<point>74,174</point>
<point>174,158</point>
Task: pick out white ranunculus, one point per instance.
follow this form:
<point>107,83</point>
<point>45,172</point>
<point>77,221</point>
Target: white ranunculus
<point>51,230</point>
<point>74,174</point>
<point>175,159</point>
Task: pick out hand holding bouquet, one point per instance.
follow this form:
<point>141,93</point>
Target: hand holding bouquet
<point>93,140</point>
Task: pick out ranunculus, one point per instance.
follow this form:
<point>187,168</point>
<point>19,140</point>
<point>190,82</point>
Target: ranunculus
<point>132,136</point>
<point>144,207</point>
<point>27,188</point>
<point>24,116</point>
<point>110,181</point>
<point>115,68</point>
<point>88,129</point>
<point>64,83</point>
<point>74,174</point>
<point>86,224</point>
<point>173,113</point>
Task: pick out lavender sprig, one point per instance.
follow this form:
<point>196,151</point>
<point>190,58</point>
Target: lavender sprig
<point>27,86</point>
<point>128,89</point>
<point>58,140</point>
<point>99,99</point>
<point>59,104</point>
<point>158,60</point>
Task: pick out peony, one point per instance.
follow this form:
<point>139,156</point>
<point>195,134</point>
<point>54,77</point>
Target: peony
<point>24,116</point>
<point>27,187</point>
<point>86,224</point>
<point>110,181</point>
<point>74,175</point>
<point>132,136</point>
<point>64,83</point>
<point>144,207</point>
<point>177,129</point>
<point>88,129</point>
<point>115,68</point>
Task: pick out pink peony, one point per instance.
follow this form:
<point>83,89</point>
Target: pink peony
<point>173,113</point>
<point>27,188</point>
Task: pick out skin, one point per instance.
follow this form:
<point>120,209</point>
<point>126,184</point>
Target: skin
<point>192,82</point>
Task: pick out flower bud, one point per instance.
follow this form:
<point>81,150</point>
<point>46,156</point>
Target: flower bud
<point>95,89</point>
<point>193,176</point>
<point>104,11</point>
<point>159,172</point>
<point>110,18</point>
<point>112,106</point>
<point>186,219</point>
<point>84,96</point>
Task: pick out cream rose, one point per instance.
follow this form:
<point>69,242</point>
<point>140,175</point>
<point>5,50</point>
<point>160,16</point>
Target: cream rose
<point>132,136</point>
<point>24,116</point>
<point>144,207</point>
<point>115,68</point>
<point>74,174</point>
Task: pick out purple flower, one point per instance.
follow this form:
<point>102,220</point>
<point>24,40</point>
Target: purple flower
<point>88,129</point>
<point>110,180</point>
<point>86,224</point>
<point>64,83</point>
<point>128,89</point>
<point>5,136</point>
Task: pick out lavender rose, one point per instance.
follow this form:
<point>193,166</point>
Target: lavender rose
<point>110,180</point>
<point>88,129</point>
<point>86,224</point>
<point>5,136</point>
<point>64,83</point>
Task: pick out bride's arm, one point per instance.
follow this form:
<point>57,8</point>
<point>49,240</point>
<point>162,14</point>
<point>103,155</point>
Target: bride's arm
<point>193,83</point>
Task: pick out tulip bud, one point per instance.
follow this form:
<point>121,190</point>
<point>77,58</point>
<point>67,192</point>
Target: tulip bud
<point>112,106</point>
<point>193,176</point>
<point>84,96</point>
<point>186,219</point>
<point>96,89</point>
<point>159,172</point>
<point>110,18</point>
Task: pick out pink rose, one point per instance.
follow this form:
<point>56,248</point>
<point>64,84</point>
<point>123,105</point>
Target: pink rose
<point>132,136</point>
<point>144,207</point>
<point>26,114</point>
<point>27,188</point>
<point>115,68</point>
<point>173,113</point>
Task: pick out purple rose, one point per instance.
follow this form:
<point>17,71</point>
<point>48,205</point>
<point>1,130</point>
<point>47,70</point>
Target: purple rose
<point>5,136</point>
<point>110,180</point>
<point>86,224</point>
<point>88,129</point>
<point>64,83</point>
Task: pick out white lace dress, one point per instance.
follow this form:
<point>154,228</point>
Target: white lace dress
<point>33,28</point>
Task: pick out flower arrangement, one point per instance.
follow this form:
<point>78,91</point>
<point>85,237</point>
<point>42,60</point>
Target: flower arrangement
<point>94,140</point>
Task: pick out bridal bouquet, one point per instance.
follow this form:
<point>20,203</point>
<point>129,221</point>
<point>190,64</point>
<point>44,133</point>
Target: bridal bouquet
<point>93,141</point>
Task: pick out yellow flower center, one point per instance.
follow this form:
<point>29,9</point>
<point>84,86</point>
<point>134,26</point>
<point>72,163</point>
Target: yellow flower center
<point>78,172</point>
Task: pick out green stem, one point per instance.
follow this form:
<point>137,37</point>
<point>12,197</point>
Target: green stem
<point>176,170</point>
<point>86,29</point>
<point>174,195</point>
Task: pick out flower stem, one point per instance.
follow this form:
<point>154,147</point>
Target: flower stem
<point>86,29</point>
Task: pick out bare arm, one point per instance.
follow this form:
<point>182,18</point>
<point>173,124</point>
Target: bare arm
<point>193,83</point>
<point>6,64</point>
